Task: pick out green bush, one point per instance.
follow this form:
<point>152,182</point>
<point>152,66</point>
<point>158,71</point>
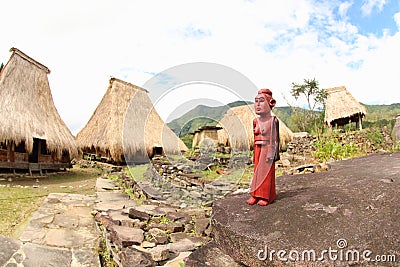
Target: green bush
<point>375,136</point>
<point>329,146</point>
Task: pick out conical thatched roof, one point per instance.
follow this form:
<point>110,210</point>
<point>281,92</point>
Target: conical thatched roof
<point>27,109</point>
<point>238,128</point>
<point>126,124</point>
<point>341,107</point>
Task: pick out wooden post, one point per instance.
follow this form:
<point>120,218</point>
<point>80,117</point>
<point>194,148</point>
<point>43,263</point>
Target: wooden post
<point>38,152</point>
<point>360,121</point>
<point>10,151</point>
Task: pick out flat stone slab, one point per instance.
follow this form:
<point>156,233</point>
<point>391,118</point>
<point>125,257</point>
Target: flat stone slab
<point>60,233</point>
<point>103,185</point>
<point>113,200</point>
<point>8,247</point>
<point>354,208</point>
<point>17,253</point>
<point>63,220</point>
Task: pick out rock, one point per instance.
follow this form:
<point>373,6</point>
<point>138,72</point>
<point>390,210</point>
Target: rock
<point>156,235</point>
<point>161,253</point>
<point>189,228</point>
<point>173,227</point>
<point>36,255</point>
<point>8,247</point>
<point>195,194</point>
<point>161,226</point>
<point>105,185</point>
<point>210,255</point>
<point>201,225</point>
<point>176,215</point>
<point>136,214</point>
<point>285,163</point>
<point>175,237</point>
<point>151,192</point>
<point>163,211</point>
<point>179,260</point>
<point>345,204</point>
<point>126,236</point>
<point>132,257</point>
<point>105,220</point>
<point>185,220</point>
<point>140,224</point>
<point>147,244</point>
<point>181,245</point>
<point>122,218</point>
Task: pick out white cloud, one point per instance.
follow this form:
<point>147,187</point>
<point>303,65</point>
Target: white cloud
<point>369,5</point>
<point>272,43</point>
<point>396,18</point>
<point>343,8</point>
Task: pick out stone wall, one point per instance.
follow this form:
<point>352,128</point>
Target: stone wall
<point>300,154</point>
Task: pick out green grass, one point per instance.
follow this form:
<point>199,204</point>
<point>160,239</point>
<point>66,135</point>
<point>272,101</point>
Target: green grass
<point>210,174</point>
<point>137,172</point>
<point>340,146</point>
<point>22,196</point>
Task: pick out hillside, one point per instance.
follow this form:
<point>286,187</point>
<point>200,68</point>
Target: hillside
<point>201,115</point>
<point>381,115</point>
<point>378,116</point>
<point>378,112</point>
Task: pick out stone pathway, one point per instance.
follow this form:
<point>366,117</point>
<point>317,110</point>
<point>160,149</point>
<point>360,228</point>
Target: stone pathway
<point>61,232</point>
<point>147,234</point>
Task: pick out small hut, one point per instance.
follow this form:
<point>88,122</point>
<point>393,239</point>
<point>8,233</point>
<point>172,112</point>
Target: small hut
<point>32,134</point>
<point>125,127</point>
<point>237,129</point>
<point>205,132</point>
<point>396,129</point>
<point>342,108</point>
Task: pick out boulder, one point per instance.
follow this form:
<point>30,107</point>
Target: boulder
<point>353,207</point>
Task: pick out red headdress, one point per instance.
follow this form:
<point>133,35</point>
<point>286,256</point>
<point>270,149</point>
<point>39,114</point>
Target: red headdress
<point>268,96</point>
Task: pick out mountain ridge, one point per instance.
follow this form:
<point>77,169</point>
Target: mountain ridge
<point>201,115</point>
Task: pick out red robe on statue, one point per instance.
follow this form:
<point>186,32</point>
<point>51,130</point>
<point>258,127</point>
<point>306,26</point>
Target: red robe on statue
<point>266,152</point>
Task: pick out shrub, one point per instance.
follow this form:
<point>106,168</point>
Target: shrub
<point>328,146</point>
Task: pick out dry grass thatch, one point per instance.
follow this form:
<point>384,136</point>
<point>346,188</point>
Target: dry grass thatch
<point>341,107</point>
<point>396,129</point>
<point>27,109</point>
<point>238,129</point>
<point>125,124</point>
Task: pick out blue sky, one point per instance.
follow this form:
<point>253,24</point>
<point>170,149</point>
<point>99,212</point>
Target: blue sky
<point>374,17</point>
<point>272,43</point>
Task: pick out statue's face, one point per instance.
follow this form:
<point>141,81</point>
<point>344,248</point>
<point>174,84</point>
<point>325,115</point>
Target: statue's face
<point>261,105</point>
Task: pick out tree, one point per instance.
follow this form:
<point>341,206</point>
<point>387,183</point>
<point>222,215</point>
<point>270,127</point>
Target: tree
<point>315,98</point>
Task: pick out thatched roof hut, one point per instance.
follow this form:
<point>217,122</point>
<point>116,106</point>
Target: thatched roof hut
<point>27,110</point>
<point>205,132</point>
<point>396,129</point>
<point>237,129</point>
<point>342,108</point>
<point>126,127</point>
